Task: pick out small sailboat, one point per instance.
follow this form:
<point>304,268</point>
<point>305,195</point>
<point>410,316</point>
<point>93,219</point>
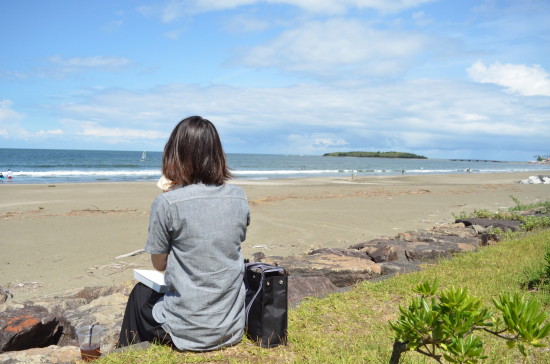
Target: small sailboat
<point>143,156</point>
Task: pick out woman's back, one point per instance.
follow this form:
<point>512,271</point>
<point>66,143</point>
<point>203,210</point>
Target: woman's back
<point>203,308</point>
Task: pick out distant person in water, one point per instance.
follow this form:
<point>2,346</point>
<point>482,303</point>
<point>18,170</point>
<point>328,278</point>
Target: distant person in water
<point>1,178</point>
<point>10,176</point>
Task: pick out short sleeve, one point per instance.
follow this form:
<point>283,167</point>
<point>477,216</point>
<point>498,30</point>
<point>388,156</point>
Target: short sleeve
<point>160,227</point>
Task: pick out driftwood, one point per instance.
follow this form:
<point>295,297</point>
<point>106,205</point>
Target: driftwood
<point>130,254</point>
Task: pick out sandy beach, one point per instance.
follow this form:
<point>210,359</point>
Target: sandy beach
<point>61,237</point>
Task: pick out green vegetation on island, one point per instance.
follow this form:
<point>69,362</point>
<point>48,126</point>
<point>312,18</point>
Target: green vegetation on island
<point>375,155</point>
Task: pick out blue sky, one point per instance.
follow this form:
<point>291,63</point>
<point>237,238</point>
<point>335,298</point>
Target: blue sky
<point>445,79</point>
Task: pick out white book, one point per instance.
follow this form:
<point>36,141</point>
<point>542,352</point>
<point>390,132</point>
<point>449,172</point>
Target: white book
<point>151,278</point>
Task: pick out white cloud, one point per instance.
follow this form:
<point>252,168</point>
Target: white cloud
<point>98,62</point>
<point>517,78</point>
<point>10,121</point>
<point>174,33</point>
<point>7,114</point>
<point>417,115</point>
<point>315,142</point>
<point>50,132</point>
<point>114,25</point>
<point>175,9</point>
<point>338,44</point>
<point>341,6</point>
<point>14,75</point>
<point>88,128</point>
<point>243,23</point>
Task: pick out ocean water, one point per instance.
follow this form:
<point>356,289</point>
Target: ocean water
<point>68,166</point>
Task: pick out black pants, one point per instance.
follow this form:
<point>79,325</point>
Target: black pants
<point>138,324</point>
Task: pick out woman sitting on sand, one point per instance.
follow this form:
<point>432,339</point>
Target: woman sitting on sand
<point>195,236</point>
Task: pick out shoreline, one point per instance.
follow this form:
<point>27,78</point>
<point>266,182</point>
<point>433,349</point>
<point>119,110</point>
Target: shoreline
<point>66,237</point>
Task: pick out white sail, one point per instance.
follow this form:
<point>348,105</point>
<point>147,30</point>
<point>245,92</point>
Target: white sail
<point>143,156</point>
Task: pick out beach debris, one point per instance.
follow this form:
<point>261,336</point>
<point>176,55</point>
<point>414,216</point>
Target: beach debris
<point>10,214</point>
<point>536,180</point>
<point>136,252</point>
<point>89,211</point>
<point>5,294</point>
<point>113,266</point>
<point>25,285</point>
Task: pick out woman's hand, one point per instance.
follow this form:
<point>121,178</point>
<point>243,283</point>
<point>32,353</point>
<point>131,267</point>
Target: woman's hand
<point>159,261</point>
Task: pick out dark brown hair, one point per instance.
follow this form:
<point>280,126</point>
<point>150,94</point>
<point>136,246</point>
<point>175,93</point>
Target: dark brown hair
<point>194,154</point>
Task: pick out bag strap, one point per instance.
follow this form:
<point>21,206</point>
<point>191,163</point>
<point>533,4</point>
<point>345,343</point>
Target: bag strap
<point>247,308</point>
<point>265,268</point>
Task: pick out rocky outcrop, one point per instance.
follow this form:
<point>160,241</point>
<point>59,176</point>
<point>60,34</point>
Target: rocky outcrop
<point>380,257</point>
<point>504,225</point>
<point>49,325</point>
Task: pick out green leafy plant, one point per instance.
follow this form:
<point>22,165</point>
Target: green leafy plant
<point>442,328</point>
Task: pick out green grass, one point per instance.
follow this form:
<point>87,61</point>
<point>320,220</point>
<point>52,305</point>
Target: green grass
<point>352,327</point>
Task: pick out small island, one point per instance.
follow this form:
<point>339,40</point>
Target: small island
<point>375,155</point>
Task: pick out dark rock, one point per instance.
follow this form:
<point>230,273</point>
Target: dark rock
<point>429,252</point>
<point>384,253</point>
<point>258,256</point>
<point>392,268</point>
<point>29,327</point>
<point>340,252</point>
<point>375,243</point>
<point>444,240</point>
<point>423,245</point>
<point>302,287</point>
<point>489,239</point>
<point>504,225</point>
<point>341,270</point>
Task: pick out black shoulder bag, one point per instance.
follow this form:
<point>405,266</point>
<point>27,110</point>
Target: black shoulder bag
<point>266,304</point>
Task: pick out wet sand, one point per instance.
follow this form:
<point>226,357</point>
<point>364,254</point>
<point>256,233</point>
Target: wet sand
<point>63,237</point>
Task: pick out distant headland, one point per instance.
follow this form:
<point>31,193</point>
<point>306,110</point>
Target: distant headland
<point>375,155</point>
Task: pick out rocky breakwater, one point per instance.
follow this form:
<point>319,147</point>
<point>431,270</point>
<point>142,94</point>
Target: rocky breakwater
<point>383,257</point>
<point>43,331</point>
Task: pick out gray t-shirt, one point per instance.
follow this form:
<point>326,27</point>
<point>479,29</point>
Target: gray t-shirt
<point>201,227</point>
